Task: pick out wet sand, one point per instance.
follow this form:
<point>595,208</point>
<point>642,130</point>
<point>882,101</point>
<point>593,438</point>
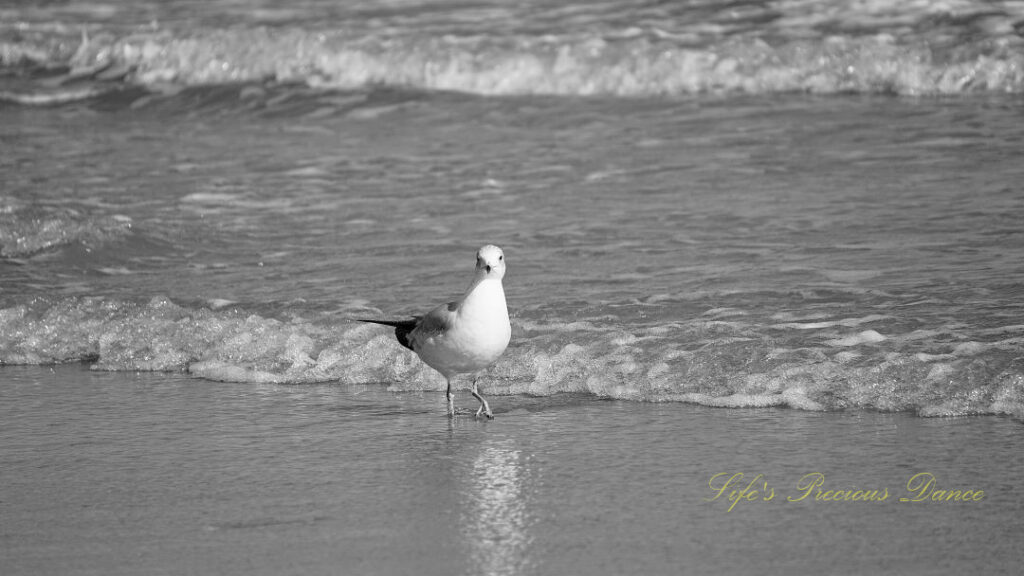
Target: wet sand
<point>142,473</point>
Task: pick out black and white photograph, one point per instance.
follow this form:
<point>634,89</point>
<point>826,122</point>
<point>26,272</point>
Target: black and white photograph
<point>511,288</point>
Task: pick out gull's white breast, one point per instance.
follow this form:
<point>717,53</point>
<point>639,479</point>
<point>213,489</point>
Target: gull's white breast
<point>476,336</point>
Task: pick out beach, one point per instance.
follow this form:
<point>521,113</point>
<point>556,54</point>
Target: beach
<point>112,473</point>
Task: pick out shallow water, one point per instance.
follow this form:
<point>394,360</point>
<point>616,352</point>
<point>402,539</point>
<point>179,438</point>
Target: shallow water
<point>121,473</point>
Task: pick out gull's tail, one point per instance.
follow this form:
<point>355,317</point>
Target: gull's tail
<point>402,328</point>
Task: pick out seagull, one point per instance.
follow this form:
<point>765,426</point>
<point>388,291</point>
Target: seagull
<point>464,336</point>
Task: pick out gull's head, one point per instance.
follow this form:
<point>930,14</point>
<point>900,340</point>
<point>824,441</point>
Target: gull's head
<point>490,262</point>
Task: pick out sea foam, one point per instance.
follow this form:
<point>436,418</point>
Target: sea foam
<point>231,344</point>
<point>577,64</point>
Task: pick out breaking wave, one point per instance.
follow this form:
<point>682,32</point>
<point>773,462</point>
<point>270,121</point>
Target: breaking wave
<point>629,63</point>
<point>709,362</point>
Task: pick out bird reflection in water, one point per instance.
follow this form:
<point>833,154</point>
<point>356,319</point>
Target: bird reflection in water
<point>495,518</point>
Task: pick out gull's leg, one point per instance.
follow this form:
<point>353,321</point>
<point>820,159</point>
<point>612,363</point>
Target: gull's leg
<point>484,408</point>
<point>448,395</point>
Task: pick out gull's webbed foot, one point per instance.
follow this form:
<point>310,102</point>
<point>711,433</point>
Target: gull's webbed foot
<point>484,408</point>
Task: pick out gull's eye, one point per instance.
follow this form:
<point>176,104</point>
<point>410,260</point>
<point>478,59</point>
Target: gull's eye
<point>501,257</point>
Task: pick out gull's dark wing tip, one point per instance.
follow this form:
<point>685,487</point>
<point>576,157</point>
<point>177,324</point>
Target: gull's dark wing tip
<point>402,328</point>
